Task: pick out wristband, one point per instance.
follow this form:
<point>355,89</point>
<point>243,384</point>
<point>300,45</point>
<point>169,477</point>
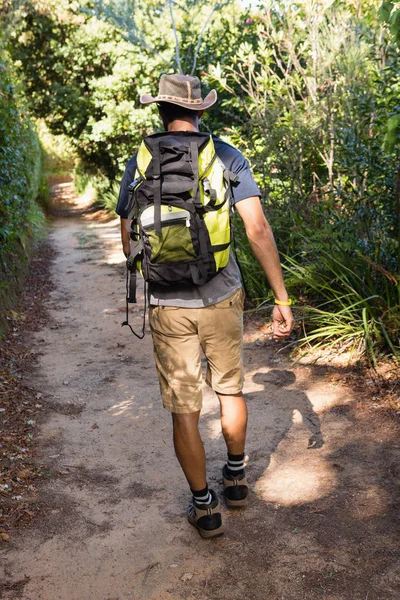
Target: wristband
<point>281,303</point>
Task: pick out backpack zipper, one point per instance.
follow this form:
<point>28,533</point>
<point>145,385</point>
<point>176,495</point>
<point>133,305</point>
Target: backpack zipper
<point>185,221</point>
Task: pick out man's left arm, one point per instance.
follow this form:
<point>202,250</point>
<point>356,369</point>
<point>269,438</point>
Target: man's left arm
<point>125,238</point>
<point>122,204</point>
<point>263,245</point>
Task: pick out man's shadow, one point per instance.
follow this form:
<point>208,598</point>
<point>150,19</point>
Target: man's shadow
<point>271,416</point>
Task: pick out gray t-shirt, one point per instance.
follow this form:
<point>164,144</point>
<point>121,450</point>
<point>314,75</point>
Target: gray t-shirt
<point>227,281</point>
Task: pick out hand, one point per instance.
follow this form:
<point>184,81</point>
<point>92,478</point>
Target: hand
<point>283,322</point>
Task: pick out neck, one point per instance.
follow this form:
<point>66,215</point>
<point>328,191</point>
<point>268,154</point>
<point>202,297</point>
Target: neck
<point>182,125</point>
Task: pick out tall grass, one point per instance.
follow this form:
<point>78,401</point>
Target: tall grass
<point>109,198</point>
<point>345,301</point>
<point>349,303</point>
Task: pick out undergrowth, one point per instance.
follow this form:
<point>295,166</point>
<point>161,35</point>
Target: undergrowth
<point>342,298</point>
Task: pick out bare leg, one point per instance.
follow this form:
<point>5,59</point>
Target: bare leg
<point>189,448</point>
<point>233,421</point>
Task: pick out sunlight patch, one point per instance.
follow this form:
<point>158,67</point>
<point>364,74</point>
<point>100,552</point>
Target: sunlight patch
<point>121,408</point>
<point>296,483</point>
<point>115,257</point>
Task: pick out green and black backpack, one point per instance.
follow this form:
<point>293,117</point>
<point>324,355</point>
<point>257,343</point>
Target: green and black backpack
<point>179,210</point>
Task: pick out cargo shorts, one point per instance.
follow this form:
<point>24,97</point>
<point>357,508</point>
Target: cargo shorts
<point>179,335</point>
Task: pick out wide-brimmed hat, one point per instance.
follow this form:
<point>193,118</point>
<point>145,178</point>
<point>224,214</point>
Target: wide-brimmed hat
<point>182,90</point>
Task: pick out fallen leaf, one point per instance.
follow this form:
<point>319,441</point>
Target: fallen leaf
<point>187,577</point>
<point>5,537</point>
<point>24,473</point>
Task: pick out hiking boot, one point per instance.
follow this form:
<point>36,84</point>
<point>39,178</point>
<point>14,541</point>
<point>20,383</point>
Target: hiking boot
<point>206,517</point>
<point>236,489</point>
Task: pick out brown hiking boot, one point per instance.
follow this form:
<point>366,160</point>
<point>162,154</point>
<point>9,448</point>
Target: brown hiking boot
<point>236,489</point>
<point>206,517</point>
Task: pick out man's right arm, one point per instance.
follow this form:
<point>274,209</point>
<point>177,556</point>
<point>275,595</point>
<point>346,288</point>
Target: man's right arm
<point>263,245</point>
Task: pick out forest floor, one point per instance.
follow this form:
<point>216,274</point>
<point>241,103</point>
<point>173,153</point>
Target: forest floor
<point>103,514</point>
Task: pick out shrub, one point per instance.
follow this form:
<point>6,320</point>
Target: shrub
<point>20,165</point>
<point>21,221</point>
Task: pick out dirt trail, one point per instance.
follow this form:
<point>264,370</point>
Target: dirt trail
<point>321,523</point>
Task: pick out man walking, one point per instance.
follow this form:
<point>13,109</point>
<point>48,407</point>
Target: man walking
<point>187,319</point>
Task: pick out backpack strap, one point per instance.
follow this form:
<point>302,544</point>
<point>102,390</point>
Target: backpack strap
<point>199,273</point>
<point>157,187</point>
<point>131,191</point>
<point>209,191</point>
<point>194,161</point>
<point>229,179</point>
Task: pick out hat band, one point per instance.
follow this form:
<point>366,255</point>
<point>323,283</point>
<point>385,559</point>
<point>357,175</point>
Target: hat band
<point>165,98</point>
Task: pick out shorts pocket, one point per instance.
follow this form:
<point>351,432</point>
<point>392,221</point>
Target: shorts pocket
<point>163,308</point>
<point>237,299</point>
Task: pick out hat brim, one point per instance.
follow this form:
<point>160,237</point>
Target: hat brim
<point>208,101</point>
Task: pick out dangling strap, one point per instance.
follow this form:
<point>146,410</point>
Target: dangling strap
<point>131,293</point>
<point>131,298</point>
<point>157,188</point>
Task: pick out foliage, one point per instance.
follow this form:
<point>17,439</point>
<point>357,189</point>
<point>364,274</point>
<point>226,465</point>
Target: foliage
<point>390,13</point>
<point>20,169</point>
<point>344,298</point>
<point>58,154</point>
<point>312,87</point>
<point>84,81</point>
<point>305,88</point>
<point>85,66</point>
<point>109,198</point>
<point>355,302</point>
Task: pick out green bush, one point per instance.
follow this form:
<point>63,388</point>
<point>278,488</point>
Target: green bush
<point>20,164</point>
<point>21,220</point>
<point>108,199</point>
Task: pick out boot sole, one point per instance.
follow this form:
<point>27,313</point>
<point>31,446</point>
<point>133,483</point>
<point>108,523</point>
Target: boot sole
<point>237,503</point>
<point>207,533</point>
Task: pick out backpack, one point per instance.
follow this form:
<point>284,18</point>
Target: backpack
<point>179,210</point>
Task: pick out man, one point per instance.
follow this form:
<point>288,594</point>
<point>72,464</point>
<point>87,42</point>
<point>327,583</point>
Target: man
<point>185,319</point>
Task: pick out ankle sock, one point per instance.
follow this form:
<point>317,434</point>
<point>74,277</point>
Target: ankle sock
<point>235,464</point>
<point>202,496</point>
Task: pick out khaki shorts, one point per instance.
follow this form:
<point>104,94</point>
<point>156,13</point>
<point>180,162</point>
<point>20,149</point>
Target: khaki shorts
<point>179,334</point>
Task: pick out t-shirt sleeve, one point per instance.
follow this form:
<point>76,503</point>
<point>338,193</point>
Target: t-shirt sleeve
<point>234,160</point>
<point>245,187</point>
<point>126,180</point>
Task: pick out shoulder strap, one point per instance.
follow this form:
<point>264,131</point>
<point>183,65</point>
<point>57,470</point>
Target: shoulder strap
<point>194,161</point>
<point>157,188</point>
<point>143,159</point>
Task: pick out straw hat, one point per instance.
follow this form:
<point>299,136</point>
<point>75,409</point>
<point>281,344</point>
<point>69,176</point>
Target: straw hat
<point>182,90</point>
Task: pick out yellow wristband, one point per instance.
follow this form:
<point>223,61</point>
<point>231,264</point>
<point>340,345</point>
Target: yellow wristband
<point>281,303</point>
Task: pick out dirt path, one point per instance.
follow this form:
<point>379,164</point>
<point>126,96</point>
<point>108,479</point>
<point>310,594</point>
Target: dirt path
<point>321,523</point>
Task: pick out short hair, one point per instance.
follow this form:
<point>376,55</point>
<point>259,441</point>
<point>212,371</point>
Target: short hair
<point>171,112</point>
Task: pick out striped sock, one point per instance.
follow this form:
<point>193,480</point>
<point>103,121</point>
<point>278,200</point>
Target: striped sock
<point>235,464</point>
<point>202,496</point>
